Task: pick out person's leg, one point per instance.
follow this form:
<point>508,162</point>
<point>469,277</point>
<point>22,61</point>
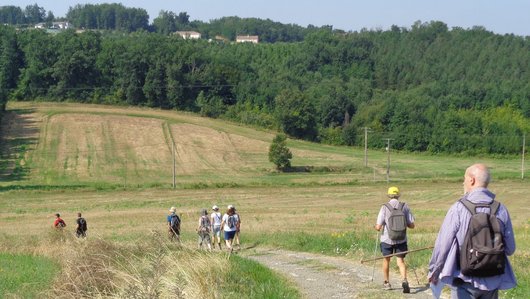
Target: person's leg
<point>236,238</point>
<point>386,249</point>
<point>402,268</point>
<point>459,292</point>
<point>209,242</point>
<point>217,234</point>
<point>464,290</point>
<point>386,269</point>
<point>228,240</point>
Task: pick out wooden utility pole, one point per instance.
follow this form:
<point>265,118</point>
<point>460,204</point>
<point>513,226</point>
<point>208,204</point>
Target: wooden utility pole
<point>174,164</point>
<point>125,174</point>
<point>388,158</point>
<point>366,146</point>
<point>522,159</point>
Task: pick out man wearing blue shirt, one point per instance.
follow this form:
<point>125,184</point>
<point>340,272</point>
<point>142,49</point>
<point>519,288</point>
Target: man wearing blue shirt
<point>444,265</point>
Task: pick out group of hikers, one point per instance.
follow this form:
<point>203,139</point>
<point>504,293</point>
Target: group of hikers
<point>469,255</point>
<point>208,225</point>
<point>229,223</point>
<point>471,249</point>
<point>80,230</point>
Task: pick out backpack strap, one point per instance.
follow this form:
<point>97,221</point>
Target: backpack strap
<point>468,205</point>
<point>389,207</point>
<point>400,206</point>
<point>494,207</point>
<point>471,207</point>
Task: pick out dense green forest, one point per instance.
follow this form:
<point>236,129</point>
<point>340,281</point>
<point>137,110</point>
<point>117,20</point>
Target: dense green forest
<point>427,87</point>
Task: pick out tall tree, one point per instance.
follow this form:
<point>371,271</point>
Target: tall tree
<point>35,14</point>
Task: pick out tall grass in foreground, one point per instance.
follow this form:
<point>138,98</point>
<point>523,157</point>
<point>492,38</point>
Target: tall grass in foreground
<point>151,268</point>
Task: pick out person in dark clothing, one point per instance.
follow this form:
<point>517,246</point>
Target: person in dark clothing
<point>81,226</point>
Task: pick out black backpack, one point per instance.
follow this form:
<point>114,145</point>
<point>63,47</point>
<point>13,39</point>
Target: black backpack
<point>482,253</point>
<point>396,224</point>
<point>232,221</point>
<point>82,224</point>
<point>175,223</point>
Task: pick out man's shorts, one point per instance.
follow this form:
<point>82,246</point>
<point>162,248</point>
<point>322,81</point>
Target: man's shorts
<point>230,235</point>
<point>387,249</point>
<point>217,231</point>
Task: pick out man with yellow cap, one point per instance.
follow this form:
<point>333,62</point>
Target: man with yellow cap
<point>394,218</point>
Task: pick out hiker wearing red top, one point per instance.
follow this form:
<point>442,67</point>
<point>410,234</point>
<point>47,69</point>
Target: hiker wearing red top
<point>58,223</point>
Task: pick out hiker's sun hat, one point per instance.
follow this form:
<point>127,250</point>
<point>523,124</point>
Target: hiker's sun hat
<point>393,191</point>
<point>173,209</point>
<point>215,208</point>
<point>230,206</point>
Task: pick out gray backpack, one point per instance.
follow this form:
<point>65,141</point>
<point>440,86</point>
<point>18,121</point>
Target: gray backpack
<point>396,224</point>
<point>482,253</point>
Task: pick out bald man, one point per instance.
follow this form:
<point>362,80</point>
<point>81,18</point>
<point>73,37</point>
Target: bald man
<point>445,265</point>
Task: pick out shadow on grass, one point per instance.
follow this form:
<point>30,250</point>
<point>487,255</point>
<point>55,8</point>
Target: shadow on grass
<point>17,135</point>
<point>317,169</point>
<point>42,187</point>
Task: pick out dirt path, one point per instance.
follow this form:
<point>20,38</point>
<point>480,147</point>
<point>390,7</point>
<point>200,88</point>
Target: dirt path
<point>319,276</point>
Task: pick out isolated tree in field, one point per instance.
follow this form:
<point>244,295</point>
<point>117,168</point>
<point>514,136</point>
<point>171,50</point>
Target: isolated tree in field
<point>279,153</point>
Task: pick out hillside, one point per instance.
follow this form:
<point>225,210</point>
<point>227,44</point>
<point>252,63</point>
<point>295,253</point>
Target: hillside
<point>428,87</point>
<point>74,144</point>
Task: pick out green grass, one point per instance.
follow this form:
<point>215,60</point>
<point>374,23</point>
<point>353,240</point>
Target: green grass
<point>25,275</point>
<point>249,279</point>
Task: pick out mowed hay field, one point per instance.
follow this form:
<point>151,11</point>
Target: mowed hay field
<point>116,164</point>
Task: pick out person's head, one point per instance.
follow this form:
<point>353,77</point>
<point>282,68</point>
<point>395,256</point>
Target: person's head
<point>57,215</point>
<point>393,192</point>
<point>204,212</point>
<point>173,210</point>
<point>215,208</point>
<point>230,210</point>
<point>476,176</point>
<point>78,214</point>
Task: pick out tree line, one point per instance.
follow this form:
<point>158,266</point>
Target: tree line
<point>427,87</point>
<point>117,17</point>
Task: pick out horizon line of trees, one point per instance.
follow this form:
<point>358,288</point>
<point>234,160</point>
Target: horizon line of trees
<point>117,17</point>
<point>431,88</point>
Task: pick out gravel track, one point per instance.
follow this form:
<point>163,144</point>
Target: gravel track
<point>319,276</point>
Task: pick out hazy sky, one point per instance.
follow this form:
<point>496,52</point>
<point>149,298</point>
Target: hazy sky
<point>499,16</point>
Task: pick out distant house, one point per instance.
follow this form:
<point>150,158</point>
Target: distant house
<point>247,39</point>
<point>221,38</point>
<point>54,25</point>
<point>188,34</point>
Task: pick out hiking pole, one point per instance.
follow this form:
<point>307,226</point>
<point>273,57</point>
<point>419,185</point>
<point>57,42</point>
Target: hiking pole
<point>394,254</point>
<point>375,252</point>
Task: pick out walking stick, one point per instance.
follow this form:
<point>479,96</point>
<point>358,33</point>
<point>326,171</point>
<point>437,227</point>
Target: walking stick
<point>375,251</point>
<point>394,254</point>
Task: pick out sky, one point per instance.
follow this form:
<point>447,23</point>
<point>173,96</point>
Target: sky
<point>499,16</point>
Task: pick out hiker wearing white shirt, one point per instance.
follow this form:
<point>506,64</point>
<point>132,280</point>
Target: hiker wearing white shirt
<point>215,220</point>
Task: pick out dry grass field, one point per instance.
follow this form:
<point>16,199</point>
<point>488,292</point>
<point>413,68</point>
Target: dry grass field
<point>115,166</point>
